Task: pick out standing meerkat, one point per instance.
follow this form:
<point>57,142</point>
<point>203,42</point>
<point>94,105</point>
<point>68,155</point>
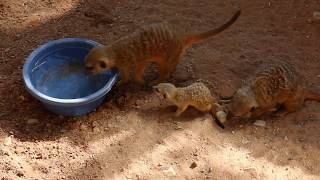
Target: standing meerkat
<point>159,43</point>
<point>272,87</point>
<point>197,95</point>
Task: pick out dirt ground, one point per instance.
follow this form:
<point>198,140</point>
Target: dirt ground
<point>135,136</point>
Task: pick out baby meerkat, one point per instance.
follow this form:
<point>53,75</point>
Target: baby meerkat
<point>272,87</point>
<point>197,95</point>
<point>159,43</point>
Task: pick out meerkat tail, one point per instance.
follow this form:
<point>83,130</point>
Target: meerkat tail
<point>192,39</point>
<point>310,95</point>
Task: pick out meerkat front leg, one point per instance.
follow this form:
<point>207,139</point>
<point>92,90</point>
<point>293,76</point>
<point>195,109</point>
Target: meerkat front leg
<point>164,72</point>
<point>180,110</point>
<point>138,76</point>
<point>124,75</point>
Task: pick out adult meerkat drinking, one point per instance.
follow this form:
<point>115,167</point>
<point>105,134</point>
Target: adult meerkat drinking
<point>159,43</point>
<point>278,85</point>
<point>196,95</point>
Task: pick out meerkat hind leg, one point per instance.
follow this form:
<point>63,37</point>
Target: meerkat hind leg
<point>180,110</point>
<point>291,105</point>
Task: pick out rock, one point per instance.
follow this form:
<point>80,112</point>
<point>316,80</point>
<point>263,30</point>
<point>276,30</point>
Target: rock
<point>32,121</point>
<point>260,123</point>
<point>178,126</point>
<point>95,124</point>
<point>96,130</point>
<point>316,15</point>
<point>38,156</point>
<point>63,130</point>
<point>22,98</point>
<point>193,165</point>
<point>286,138</point>
<point>20,174</point>
<point>245,141</point>
<point>170,172</point>
<point>7,141</point>
<point>83,127</point>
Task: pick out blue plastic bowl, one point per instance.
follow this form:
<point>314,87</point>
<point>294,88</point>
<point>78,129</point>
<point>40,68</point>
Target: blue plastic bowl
<point>55,75</point>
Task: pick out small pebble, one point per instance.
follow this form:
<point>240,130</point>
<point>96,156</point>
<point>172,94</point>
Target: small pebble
<point>95,124</point>
<point>7,141</point>
<point>316,15</point>
<point>96,130</point>
<point>83,127</point>
<point>286,138</point>
<point>32,121</point>
<point>260,123</point>
<point>63,130</point>
<point>245,141</point>
<point>170,172</point>
<point>20,174</point>
<point>193,165</point>
<point>22,98</point>
<point>309,21</point>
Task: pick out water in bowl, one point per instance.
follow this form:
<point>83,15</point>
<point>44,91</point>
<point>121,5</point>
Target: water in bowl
<point>66,78</point>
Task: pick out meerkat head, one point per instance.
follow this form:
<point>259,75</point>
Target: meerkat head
<point>98,60</point>
<point>166,90</point>
<point>243,103</point>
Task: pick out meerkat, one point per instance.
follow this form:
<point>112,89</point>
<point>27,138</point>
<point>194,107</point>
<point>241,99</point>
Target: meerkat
<point>278,85</point>
<point>197,95</point>
<point>159,43</point>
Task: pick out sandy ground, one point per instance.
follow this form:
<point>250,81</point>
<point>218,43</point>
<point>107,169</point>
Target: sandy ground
<point>135,136</point>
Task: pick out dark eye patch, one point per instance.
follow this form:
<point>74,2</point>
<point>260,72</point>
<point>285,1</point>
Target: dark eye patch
<point>102,64</point>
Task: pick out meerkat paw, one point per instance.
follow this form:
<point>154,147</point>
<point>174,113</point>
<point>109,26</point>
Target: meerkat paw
<point>121,83</point>
<point>141,82</point>
<point>154,83</point>
<point>177,114</point>
<point>180,110</point>
<point>282,114</point>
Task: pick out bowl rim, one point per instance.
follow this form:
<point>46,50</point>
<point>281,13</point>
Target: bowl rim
<point>57,101</point>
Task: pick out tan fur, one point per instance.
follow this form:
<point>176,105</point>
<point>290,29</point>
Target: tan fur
<point>196,95</point>
<point>159,43</point>
<point>279,84</point>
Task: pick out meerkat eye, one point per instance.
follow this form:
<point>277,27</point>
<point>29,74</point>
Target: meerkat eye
<point>102,64</point>
<point>253,109</point>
